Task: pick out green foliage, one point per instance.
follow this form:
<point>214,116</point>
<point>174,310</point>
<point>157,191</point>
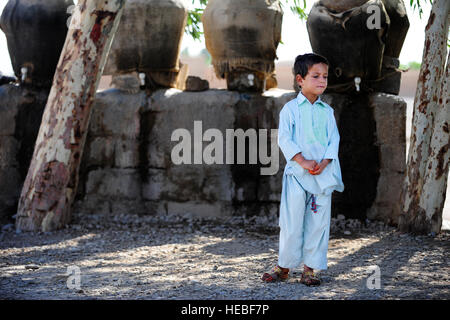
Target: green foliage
<point>194,19</point>
<point>297,7</point>
<point>412,65</point>
<point>193,26</point>
<point>193,23</point>
<point>415,4</point>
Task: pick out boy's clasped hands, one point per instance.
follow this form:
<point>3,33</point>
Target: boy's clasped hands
<point>319,167</point>
<point>312,166</point>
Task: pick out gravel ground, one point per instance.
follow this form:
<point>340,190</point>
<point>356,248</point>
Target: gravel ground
<point>174,257</point>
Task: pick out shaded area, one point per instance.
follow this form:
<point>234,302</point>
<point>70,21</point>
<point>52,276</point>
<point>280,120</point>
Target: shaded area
<point>136,257</point>
<point>359,158</point>
<point>20,119</point>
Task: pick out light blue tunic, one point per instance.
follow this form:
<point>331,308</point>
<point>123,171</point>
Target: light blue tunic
<point>310,129</point>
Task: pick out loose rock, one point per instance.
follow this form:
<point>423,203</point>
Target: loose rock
<point>163,259</point>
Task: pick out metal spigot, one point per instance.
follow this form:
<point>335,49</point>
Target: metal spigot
<point>357,82</point>
<point>142,78</point>
<point>24,71</point>
<point>251,77</point>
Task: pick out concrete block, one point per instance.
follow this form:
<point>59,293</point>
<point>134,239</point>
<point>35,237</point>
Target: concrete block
<point>116,113</point>
<point>92,204</point>
<point>157,153</point>
<point>9,108</point>
<point>388,197</point>
<point>338,102</point>
<point>269,209</point>
<point>199,209</point>
<point>21,110</point>
<point>189,183</point>
<point>8,151</point>
<point>156,207</point>
<point>390,117</point>
<point>389,186</point>
<point>158,186</point>
<point>392,157</point>
<point>126,153</point>
<point>132,134</point>
<point>270,187</point>
<point>99,151</point>
<point>119,206</point>
<point>172,111</point>
<point>184,183</point>
<point>8,207</point>
<point>119,183</point>
<point>218,184</point>
<point>10,182</point>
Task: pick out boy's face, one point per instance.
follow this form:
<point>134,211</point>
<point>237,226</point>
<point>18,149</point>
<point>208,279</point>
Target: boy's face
<point>315,81</point>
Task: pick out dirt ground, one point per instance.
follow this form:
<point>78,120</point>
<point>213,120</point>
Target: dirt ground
<point>172,257</point>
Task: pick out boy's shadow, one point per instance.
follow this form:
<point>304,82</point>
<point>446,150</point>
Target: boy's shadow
<point>392,255</point>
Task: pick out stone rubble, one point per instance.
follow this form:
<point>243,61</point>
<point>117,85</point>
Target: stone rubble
<point>169,257</point>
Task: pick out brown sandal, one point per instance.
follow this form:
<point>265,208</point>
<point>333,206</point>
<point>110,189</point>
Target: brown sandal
<point>276,274</point>
<point>309,278</point>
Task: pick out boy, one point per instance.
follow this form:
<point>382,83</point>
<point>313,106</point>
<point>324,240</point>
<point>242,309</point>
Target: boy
<point>309,139</point>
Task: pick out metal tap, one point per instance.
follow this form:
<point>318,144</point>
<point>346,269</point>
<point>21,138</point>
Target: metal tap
<point>357,82</point>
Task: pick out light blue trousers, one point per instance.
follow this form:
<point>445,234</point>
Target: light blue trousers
<point>304,234</point>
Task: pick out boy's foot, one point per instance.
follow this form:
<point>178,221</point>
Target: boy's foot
<point>276,274</point>
<point>309,278</point>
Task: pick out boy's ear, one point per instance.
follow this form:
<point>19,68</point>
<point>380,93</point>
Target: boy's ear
<point>299,79</point>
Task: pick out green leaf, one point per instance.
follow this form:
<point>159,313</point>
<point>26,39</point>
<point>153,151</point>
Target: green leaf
<point>193,25</point>
<point>415,4</point>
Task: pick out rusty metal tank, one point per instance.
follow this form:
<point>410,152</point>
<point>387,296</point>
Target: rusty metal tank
<point>340,31</point>
<point>242,37</point>
<point>35,32</point>
<point>148,41</point>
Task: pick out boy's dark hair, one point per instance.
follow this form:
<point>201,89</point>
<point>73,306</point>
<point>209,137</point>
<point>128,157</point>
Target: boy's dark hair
<point>305,61</point>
